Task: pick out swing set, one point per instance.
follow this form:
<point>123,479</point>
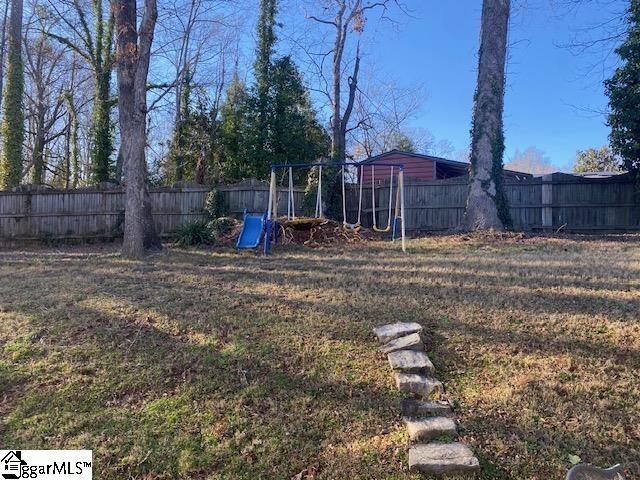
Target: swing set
<point>266,226</point>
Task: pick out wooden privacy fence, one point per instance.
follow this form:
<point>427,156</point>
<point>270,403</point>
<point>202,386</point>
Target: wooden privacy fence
<point>89,213</point>
<point>555,201</point>
<point>552,202</point>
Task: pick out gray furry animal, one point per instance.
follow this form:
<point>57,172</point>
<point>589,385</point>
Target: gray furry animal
<point>589,472</point>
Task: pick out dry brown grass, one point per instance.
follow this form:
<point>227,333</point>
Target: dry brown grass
<point>206,364</point>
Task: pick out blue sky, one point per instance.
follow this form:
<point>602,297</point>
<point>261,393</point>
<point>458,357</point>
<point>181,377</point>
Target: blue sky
<point>551,92</point>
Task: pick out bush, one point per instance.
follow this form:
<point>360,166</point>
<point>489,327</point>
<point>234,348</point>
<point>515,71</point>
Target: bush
<point>214,204</point>
<point>221,226</point>
<point>194,233</point>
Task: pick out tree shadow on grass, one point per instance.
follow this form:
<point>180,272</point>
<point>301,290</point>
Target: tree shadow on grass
<point>162,394</point>
<point>246,362</point>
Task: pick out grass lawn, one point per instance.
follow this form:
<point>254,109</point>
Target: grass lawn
<point>206,364</point>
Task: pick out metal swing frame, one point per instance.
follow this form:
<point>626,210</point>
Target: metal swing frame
<point>272,209</point>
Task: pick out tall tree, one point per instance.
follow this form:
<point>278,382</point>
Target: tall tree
<point>72,147</point>
<point>13,120</point>
<point>486,203</point>
<point>261,140</point>
<point>3,45</point>
<point>44,100</point>
<point>91,37</point>
<point>624,95</point>
<point>348,16</point>
<point>232,153</point>
<point>133,57</point>
<point>297,135</point>
<point>281,126</point>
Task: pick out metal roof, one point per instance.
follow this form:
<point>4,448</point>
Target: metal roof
<point>438,160</point>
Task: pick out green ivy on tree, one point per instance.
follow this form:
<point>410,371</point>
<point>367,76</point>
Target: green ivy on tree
<point>13,115</point>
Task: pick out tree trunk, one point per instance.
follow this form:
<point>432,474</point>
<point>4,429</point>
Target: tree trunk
<point>340,120</point>
<point>37,174</point>
<point>337,138</point>
<point>102,143</point>
<point>119,164</point>
<point>486,206</point>
<point>13,119</point>
<point>67,154</point>
<point>133,56</point>
<point>3,44</point>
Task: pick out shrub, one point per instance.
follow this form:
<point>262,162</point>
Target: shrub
<point>214,204</point>
<point>194,233</point>
<point>221,226</point>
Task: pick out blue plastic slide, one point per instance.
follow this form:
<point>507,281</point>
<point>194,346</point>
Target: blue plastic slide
<point>252,231</point>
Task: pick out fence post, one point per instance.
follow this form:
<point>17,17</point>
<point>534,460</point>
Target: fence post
<point>547,201</point>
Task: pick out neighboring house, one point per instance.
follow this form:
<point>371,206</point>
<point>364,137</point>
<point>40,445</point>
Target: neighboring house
<point>422,167</point>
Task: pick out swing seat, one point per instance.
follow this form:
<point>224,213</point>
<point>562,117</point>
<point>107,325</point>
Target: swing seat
<point>351,227</point>
<point>382,230</point>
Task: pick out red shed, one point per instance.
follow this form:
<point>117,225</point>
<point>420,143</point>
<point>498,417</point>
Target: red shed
<point>421,167</point>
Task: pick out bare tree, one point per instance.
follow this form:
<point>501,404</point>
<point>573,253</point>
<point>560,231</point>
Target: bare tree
<point>486,205</point>
<point>89,34</point>
<point>71,169</point>
<point>196,38</point>
<point>344,17</point>
<point>133,52</point>
<point>43,94</point>
<point>382,115</point>
<point>595,42</point>
<point>532,160</point>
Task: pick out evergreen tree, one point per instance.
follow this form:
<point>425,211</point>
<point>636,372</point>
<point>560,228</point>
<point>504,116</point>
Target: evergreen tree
<point>624,96</point>
<point>596,160</point>
<point>297,135</point>
<point>401,141</point>
<point>13,118</point>
<point>177,157</point>
<point>274,122</point>
<point>193,144</point>
<point>261,111</point>
<point>232,152</point>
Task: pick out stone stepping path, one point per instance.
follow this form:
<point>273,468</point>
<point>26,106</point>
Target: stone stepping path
<point>443,458</point>
<point>426,419</point>
<point>419,385</point>
<point>386,333</point>
<point>416,408</point>
<point>410,342</point>
<point>430,428</point>
<point>410,361</point>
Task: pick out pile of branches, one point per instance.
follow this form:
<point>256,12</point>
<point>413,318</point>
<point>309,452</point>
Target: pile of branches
<point>328,233</point>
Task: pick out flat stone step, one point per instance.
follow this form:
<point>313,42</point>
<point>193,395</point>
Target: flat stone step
<point>443,458</point>
<point>410,361</point>
<point>417,384</point>
<point>417,408</point>
<point>430,428</point>
<point>410,342</point>
<point>386,333</point>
